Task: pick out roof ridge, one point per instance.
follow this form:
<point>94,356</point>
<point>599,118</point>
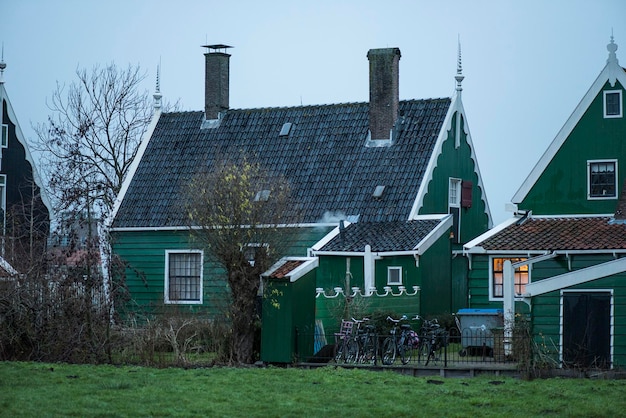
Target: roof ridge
<point>326,105</point>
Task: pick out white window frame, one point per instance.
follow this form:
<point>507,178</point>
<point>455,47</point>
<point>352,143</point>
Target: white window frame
<point>492,296</point>
<point>389,278</point>
<point>454,192</point>
<point>455,189</point>
<point>4,136</point>
<point>616,174</point>
<point>167,299</point>
<point>621,107</point>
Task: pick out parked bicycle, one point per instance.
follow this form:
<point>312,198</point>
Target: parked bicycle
<point>358,345</point>
<point>433,339</point>
<point>401,341</point>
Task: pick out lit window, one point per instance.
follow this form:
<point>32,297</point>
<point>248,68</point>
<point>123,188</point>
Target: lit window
<point>602,179</point>
<point>613,104</point>
<point>521,277</point>
<point>394,275</point>
<point>183,277</point>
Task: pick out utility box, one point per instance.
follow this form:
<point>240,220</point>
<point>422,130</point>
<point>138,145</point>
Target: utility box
<point>477,327</point>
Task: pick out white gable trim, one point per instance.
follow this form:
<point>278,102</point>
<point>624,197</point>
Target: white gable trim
<point>611,72</point>
<point>434,235</point>
<point>133,167</point>
<point>576,277</point>
<point>455,107</point>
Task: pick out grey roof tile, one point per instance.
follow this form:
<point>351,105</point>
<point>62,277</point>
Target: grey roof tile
<point>381,236</point>
<point>324,158</point>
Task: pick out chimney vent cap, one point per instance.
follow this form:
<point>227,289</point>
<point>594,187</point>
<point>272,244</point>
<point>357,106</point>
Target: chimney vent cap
<point>217,47</point>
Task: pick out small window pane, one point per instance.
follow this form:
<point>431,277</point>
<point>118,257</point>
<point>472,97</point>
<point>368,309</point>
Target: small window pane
<point>4,141</point>
<point>612,104</point>
<point>184,277</point>
<point>394,275</point>
<point>521,278</point>
<point>602,179</point>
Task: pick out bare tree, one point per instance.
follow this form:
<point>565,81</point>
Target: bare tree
<point>92,137</point>
<point>236,210</point>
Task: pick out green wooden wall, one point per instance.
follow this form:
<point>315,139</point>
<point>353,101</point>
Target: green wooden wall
<point>143,252</point>
<point>288,324</point>
<point>546,309</point>
<point>457,163</point>
<point>562,187</point>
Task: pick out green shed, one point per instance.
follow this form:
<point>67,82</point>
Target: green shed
<point>288,318</point>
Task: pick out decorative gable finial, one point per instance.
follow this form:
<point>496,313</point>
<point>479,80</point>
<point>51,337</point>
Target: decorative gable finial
<point>3,65</point>
<point>612,47</point>
<point>459,69</point>
<point>157,93</point>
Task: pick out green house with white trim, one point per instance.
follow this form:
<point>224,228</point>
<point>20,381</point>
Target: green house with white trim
<point>561,258</point>
<point>356,171</point>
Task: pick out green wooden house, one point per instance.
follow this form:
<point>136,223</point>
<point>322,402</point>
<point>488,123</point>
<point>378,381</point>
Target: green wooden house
<point>25,208</point>
<point>560,259</point>
<point>385,165</point>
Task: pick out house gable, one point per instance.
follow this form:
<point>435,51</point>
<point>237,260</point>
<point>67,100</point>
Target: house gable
<point>559,183</point>
<point>21,187</point>
<point>454,158</point>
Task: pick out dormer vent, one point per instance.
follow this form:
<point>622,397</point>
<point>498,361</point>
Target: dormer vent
<point>286,129</point>
<point>378,192</point>
<point>262,196</point>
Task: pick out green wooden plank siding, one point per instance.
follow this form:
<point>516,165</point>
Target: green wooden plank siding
<point>457,163</point>
<point>546,308</point>
<point>288,319</point>
<point>562,187</point>
<point>144,254</point>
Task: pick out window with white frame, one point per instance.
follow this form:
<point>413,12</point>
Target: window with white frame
<point>4,140</point>
<point>394,276</point>
<point>613,104</point>
<point>454,207</point>
<point>521,277</point>
<point>183,277</point>
<point>602,179</point>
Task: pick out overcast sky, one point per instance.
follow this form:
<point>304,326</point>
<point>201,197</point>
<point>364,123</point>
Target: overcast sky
<point>527,64</point>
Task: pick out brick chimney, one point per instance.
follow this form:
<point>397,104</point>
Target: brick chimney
<point>216,80</point>
<point>384,91</point>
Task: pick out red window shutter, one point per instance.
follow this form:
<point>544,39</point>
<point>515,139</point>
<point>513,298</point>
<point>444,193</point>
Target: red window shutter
<point>466,194</point>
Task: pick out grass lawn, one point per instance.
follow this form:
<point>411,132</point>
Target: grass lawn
<point>39,390</point>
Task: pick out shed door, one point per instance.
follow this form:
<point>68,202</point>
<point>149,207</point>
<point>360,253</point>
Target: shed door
<point>587,329</point>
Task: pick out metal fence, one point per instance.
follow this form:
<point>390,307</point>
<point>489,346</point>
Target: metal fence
<point>469,348</point>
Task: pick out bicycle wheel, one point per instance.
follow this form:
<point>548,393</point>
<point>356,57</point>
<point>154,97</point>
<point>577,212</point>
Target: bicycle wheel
<point>389,351</point>
<point>405,353</point>
<point>423,351</point>
<point>368,350</point>
<point>340,351</point>
<point>352,351</point>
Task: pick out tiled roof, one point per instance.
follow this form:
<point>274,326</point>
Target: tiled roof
<point>559,233</point>
<point>381,236</point>
<point>324,157</point>
<point>287,267</point>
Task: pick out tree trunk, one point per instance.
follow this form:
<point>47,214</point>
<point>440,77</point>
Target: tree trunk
<point>244,285</point>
